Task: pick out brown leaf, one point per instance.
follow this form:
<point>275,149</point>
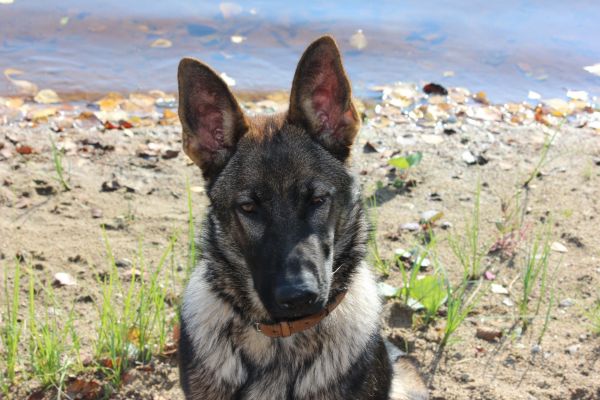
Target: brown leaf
<point>84,389</point>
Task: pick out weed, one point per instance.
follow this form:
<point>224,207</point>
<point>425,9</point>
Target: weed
<point>459,304</point>
<point>594,317</point>
<point>50,352</point>
<point>468,248</point>
<point>534,274</point>
<point>10,329</point>
<point>403,165</point>
<point>57,158</point>
<point>192,246</point>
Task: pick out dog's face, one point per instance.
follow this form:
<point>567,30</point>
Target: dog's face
<point>281,197</point>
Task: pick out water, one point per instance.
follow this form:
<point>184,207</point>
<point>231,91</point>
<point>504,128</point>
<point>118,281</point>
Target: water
<point>504,48</point>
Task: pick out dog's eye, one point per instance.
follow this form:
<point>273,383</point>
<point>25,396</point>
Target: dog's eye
<point>317,200</point>
<point>248,207</point>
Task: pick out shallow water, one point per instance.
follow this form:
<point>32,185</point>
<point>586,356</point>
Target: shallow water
<point>504,48</point>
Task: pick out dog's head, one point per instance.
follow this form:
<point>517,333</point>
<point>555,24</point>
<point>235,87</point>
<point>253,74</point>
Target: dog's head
<point>285,213</point>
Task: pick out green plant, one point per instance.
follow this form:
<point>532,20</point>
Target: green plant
<point>594,317</point>
<point>468,248</point>
<point>10,329</point>
<point>403,164</point>
<point>136,327</point>
<point>57,158</point>
<point>534,274</point>
<point>380,265</point>
<point>51,354</point>
<point>459,304</point>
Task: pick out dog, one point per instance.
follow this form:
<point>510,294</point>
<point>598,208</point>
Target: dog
<point>281,305</point>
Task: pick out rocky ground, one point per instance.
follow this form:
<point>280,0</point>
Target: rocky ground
<point>123,165</point>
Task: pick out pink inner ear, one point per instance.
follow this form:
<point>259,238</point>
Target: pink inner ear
<point>327,102</point>
<point>208,123</point>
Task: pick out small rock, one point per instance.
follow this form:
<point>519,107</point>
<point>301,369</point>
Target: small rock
<point>559,247</point>
<point>498,289</point>
<point>97,213</point>
<point>490,335</point>
<point>410,226</point>
<point>446,225</point>
<point>64,279</point>
<point>536,349</point>
<point>110,186</point>
<point>489,275</point>
<point>465,378</point>
<point>572,349</point>
<point>403,254</point>
<point>469,158</point>
<point>169,154</point>
<point>431,216</point>
<point>123,263</point>
<point>566,303</point>
<point>508,302</point>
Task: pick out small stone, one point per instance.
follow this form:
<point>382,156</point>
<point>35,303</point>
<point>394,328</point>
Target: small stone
<point>110,186</point>
<point>446,225</point>
<point>64,279</point>
<point>403,254</point>
<point>469,158</point>
<point>465,378</point>
<point>536,349</point>
<point>490,335</point>
<point>508,302</point>
<point>498,289</point>
<point>96,213</point>
<point>123,263</point>
<point>410,226</point>
<point>572,349</point>
<point>559,247</point>
<point>566,303</point>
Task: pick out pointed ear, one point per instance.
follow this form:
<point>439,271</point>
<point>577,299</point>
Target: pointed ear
<point>321,98</point>
<point>211,118</point>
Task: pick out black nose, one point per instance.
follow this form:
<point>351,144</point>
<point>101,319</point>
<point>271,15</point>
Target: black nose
<point>294,298</point>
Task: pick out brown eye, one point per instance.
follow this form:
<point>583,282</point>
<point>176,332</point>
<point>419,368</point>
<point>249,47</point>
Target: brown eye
<point>317,200</point>
<point>248,207</point>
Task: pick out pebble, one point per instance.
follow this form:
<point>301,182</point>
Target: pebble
<point>508,302</point>
<point>64,279</point>
<point>566,303</point>
<point>572,349</point>
<point>123,263</point>
<point>559,247</point>
<point>536,349</point>
<point>469,158</point>
<point>498,289</point>
<point>410,226</point>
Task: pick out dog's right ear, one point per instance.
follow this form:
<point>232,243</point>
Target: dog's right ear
<point>211,118</point>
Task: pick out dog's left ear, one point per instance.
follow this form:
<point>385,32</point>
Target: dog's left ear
<point>321,98</point>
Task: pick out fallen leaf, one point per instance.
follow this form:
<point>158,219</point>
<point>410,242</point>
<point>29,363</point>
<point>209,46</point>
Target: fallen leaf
<point>358,40</point>
<point>162,43</point>
<point>47,96</point>
<point>593,69</point>
<point>84,389</point>
<point>64,279</point>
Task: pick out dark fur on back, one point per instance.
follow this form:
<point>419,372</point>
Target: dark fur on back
<point>284,234</point>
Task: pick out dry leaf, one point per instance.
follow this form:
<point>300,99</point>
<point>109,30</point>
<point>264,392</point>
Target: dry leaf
<point>162,43</point>
<point>47,96</point>
<point>358,40</point>
<point>84,389</point>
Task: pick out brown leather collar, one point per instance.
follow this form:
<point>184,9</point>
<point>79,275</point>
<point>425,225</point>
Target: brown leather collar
<point>288,328</point>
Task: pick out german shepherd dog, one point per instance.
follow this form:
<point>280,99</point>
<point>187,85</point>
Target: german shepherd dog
<point>281,305</point>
